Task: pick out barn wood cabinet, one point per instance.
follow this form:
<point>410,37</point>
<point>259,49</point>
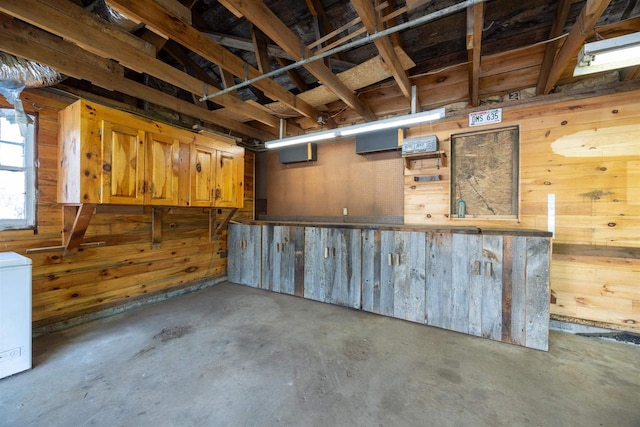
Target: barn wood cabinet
<point>108,156</point>
<point>244,249</point>
<point>282,259</point>
<point>393,274</point>
<point>332,265</point>
<point>487,283</point>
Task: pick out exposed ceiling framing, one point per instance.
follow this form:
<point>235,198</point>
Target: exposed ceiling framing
<point>177,52</point>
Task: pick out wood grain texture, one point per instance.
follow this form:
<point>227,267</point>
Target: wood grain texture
<point>439,275</point>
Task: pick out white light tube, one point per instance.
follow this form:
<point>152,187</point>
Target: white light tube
<point>609,54</point>
<point>302,139</point>
<point>393,122</point>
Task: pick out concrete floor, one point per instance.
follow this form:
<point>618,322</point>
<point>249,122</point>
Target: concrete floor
<point>234,356</point>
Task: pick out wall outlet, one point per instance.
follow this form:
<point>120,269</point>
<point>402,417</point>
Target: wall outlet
<point>345,211</point>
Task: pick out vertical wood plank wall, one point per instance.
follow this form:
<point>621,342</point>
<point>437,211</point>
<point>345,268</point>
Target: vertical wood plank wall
<point>126,267</point>
<point>587,153</point>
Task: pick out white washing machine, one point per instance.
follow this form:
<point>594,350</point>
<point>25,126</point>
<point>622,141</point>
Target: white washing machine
<point>15,313</point>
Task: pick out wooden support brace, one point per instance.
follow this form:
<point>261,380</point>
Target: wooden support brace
<point>214,227</point>
<point>75,222</point>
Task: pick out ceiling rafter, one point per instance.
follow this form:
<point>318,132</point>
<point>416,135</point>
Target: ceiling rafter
<point>272,26</point>
<point>559,22</point>
<point>260,48</point>
<point>591,12</point>
<point>475,22</point>
<point>160,19</point>
<point>29,42</point>
<point>75,24</point>
<point>367,13</point>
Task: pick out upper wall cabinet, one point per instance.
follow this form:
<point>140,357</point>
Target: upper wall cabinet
<point>112,157</point>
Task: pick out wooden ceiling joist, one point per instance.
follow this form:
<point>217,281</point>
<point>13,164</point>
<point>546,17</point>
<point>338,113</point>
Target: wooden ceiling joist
<point>77,25</point>
<point>261,16</point>
<point>559,22</point>
<point>260,44</point>
<point>29,42</point>
<point>155,16</point>
<point>585,23</point>
<point>367,13</point>
<point>475,22</point>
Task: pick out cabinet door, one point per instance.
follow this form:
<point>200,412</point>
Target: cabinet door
<point>162,169</point>
<point>228,180</point>
<point>203,163</point>
<point>405,271</point>
<point>394,281</point>
<point>332,269</point>
<point>243,254</point>
<point>279,269</point>
<point>123,164</point>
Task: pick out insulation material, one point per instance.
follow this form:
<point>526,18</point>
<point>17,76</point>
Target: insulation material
<point>106,12</point>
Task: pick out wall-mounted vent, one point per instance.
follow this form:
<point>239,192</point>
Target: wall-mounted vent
<point>299,153</point>
<point>372,142</point>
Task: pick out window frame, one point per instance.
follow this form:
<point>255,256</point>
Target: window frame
<point>29,222</point>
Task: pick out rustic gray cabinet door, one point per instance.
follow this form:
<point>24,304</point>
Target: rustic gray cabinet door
<point>244,260</point>
<point>332,271</point>
<point>394,280</point>
<point>279,247</point>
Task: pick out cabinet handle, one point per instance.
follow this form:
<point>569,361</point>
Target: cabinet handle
<point>488,269</point>
<point>398,259</point>
<point>282,246</point>
<point>334,252</point>
<point>390,259</point>
<point>277,247</point>
<point>326,252</point>
<point>476,268</point>
<point>218,194</point>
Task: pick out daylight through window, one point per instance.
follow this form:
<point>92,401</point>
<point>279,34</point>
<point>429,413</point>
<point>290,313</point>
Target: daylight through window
<point>17,175</point>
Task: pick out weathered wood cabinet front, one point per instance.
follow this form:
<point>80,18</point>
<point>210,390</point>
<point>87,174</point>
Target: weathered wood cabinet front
<point>244,250</point>
<point>393,274</point>
<point>112,157</point>
<point>332,269</point>
<point>282,248</point>
<point>491,284</point>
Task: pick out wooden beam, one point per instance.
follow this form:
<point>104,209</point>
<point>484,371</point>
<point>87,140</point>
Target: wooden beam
<point>244,44</point>
<point>475,22</point>
<point>559,22</point>
<point>71,23</point>
<point>216,227</point>
<point>260,43</point>
<point>579,32</point>
<point>293,76</point>
<point>155,16</point>
<point>367,13</point>
<point>260,15</point>
<point>26,41</point>
<point>318,11</point>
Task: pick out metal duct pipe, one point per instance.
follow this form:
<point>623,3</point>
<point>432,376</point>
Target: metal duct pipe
<point>367,39</point>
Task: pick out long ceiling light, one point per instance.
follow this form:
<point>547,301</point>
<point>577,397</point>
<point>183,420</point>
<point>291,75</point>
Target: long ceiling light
<point>609,54</point>
<point>393,122</point>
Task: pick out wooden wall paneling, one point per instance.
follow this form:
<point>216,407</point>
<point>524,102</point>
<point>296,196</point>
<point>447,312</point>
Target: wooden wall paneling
<point>466,263</point>
<point>537,293</point>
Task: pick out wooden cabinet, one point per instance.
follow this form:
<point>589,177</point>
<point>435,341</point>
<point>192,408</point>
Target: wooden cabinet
<point>393,274</point>
<point>332,265</point>
<point>109,156</point>
<point>282,259</point>
<point>244,250</point>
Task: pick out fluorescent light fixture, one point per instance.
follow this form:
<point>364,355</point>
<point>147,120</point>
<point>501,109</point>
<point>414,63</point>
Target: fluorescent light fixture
<point>302,139</point>
<point>609,54</point>
<point>393,122</point>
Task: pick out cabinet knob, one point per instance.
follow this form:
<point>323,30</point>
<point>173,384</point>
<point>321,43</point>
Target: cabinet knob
<point>326,252</point>
<point>277,247</point>
<point>397,259</point>
<point>488,269</point>
<point>198,167</point>
<point>390,259</point>
<point>106,167</point>
<point>476,268</point>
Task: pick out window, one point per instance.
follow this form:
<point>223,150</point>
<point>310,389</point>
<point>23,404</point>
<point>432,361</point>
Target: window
<point>17,172</point>
<point>484,174</point>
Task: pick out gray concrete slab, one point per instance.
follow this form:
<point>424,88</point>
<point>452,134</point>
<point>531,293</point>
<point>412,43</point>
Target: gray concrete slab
<point>236,356</point>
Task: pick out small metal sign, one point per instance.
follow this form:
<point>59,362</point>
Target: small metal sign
<point>486,117</point>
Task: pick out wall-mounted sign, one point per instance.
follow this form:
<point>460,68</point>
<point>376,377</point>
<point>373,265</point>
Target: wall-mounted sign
<point>486,117</point>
